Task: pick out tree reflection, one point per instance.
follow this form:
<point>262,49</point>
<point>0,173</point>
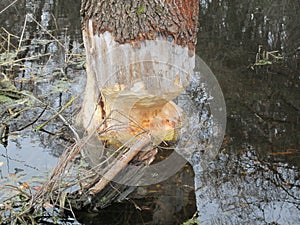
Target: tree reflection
<point>241,189</point>
<point>263,105</point>
<point>255,179</point>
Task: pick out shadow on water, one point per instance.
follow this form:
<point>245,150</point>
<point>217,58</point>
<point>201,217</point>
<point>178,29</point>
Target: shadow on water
<point>254,179</point>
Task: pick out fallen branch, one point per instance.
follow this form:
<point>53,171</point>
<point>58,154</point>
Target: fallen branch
<point>119,164</point>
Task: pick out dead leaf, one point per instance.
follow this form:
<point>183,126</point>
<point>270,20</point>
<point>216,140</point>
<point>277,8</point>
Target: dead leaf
<point>26,185</point>
<point>37,188</point>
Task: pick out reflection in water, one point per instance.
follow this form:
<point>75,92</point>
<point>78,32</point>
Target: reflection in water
<point>241,189</point>
<point>263,105</point>
<point>20,162</point>
<point>169,202</point>
<point>41,26</point>
<point>255,179</point>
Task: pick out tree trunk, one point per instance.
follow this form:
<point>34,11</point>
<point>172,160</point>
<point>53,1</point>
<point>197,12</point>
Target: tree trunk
<point>124,36</point>
<point>140,55</point>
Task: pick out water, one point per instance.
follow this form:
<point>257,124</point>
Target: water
<point>30,156</point>
<point>254,179</point>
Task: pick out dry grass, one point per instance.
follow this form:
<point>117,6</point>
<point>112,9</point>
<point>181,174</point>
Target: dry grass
<point>23,204</point>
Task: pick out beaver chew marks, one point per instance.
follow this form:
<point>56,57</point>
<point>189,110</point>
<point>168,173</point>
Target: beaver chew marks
<point>133,113</point>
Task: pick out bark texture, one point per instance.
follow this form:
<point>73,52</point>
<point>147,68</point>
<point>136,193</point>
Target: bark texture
<point>132,21</point>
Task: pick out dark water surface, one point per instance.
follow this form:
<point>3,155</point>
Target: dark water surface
<point>254,179</point>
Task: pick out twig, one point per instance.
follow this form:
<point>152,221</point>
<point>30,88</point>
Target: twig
<point>46,31</point>
<point>16,114</point>
<point>7,41</point>
<point>8,6</point>
<point>56,115</point>
<point>23,59</point>
<point>22,35</point>
<point>70,127</point>
<point>69,154</point>
<point>34,121</point>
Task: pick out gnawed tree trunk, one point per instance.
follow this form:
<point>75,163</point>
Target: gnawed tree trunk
<point>140,56</point>
<point>136,34</point>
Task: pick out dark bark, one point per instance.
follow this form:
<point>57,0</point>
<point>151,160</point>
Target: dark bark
<point>139,20</point>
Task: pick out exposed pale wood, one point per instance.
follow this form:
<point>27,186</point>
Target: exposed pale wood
<point>158,58</point>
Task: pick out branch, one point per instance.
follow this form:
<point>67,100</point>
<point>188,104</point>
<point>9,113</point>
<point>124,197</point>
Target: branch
<point>55,115</point>
<point>121,163</point>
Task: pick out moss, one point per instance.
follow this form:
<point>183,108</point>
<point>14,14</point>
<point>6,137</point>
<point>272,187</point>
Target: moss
<point>141,10</point>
